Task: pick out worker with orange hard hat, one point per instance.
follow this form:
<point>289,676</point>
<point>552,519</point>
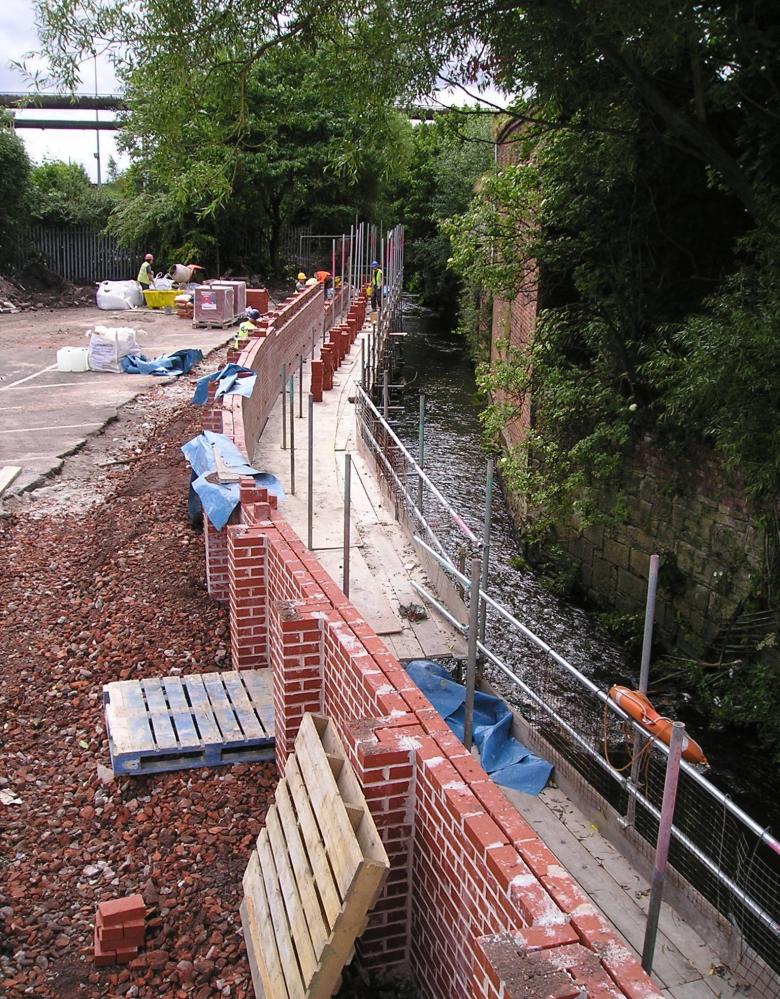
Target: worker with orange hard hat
<point>146,274</point>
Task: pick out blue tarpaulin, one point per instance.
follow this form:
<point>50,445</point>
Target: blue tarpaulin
<point>178,362</point>
<point>507,761</point>
<point>219,499</point>
<point>229,383</point>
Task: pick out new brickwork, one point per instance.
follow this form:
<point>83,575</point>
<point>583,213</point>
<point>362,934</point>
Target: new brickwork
<point>475,904</point>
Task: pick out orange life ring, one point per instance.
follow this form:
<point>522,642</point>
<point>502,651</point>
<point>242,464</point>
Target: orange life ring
<point>636,704</point>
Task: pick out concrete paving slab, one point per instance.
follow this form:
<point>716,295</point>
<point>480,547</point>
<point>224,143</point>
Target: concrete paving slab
<point>46,414</point>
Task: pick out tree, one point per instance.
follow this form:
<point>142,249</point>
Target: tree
<point>14,179</point>
<point>447,158</point>
<point>226,173</point>
<point>62,193</point>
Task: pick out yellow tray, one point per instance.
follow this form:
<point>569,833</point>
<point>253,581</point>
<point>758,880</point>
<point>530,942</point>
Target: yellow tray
<point>160,299</point>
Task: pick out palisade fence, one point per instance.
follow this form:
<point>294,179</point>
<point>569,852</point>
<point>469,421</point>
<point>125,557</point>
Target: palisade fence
<point>79,253</point>
<point>725,866</point>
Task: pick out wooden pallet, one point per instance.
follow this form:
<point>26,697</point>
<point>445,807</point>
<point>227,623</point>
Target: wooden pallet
<point>177,722</point>
<point>214,325</point>
<point>7,475</point>
<point>314,875</point>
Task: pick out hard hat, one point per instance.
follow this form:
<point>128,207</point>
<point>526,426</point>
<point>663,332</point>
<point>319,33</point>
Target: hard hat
<point>375,263</point>
<point>149,257</point>
<point>301,276</point>
<point>252,314</point>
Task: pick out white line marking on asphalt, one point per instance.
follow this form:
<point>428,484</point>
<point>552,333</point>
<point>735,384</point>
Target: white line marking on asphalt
<point>18,388</point>
<point>63,426</point>
<point>4,388</point>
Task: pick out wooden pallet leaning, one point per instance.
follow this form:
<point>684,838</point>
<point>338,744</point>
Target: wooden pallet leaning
<point>177,722</point>
<point>316,871</point>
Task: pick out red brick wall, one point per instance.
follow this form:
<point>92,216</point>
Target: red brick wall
<point>474,898</point>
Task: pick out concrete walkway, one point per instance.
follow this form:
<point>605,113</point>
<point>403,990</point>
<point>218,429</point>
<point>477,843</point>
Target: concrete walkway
<point>46,414</point>
<point>382,559</point>
<point>382,564</point>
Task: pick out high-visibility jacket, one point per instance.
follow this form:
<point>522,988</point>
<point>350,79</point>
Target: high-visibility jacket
<point>376,278</point>
<point>145,274</point>
<point>243,333</point>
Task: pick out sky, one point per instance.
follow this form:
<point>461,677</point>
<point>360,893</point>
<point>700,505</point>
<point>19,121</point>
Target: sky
<point>17,37</point>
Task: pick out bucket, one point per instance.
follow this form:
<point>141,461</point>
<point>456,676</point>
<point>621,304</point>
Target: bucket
<point>72,359</point>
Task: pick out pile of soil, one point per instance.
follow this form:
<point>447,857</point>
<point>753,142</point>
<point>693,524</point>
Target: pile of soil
<point>36,287</point>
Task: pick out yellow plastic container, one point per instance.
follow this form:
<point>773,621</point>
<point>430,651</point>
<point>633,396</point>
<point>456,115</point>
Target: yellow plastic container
<point>160,299</point>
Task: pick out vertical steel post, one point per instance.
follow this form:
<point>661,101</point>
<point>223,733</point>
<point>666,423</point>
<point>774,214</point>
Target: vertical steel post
<point>351,262</point>
<point>644,680</point>
<point>283,373</point>
<point>486,544</point>
<point>292,435</point>
<point>421,452</point>
<point>310,484</point>
<point>662,843</point>
<point>363,361</point>
<point>647,637</point>
<point>382,268</point>
<point>347,490</point>
<point>471,660</point>
<point>462,569</point>
<point>386,394</point>
<point>300,387</point>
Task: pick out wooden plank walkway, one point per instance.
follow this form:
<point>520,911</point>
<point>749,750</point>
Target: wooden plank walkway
<point>316,872</point>
<point>176,722</point>
<point>684,964</point>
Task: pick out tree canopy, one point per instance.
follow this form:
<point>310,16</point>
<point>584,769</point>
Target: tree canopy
<point>14,177</point>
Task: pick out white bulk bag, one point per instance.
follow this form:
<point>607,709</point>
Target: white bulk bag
<point>119,295</point>
<point>107,345</point>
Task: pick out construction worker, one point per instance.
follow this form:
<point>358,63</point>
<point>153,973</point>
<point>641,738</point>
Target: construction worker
<point>376,286</point>
<point>300,283</point>
<point>146,274</point>
<point>247,327</point>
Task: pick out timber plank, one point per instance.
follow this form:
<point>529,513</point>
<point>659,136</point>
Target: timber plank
<point>7,475</point>
<point>287,955</point>
<point>159,716</point>
<point>266,952</point>
<point>260,693</point>
<point>304,875</point>
<point>180,712</point>
<point>296,915</point>
<point>223,711</point>
<point>242,706</point>
<point>323,875</point>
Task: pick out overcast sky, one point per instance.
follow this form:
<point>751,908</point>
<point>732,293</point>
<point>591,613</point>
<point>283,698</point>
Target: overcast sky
<point>17,37</point>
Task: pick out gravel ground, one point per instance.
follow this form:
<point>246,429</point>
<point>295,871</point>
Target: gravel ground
<point>102,579</point>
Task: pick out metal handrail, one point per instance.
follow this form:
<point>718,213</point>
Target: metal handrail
<point>769,921</point>
<point>455,517</point>
<point>723,799</point>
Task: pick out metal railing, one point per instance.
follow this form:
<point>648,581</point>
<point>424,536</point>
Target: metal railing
<point>723,860</point>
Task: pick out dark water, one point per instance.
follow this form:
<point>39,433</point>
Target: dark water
<point>436,363</point>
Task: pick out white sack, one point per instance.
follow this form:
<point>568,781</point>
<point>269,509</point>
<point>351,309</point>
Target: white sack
<point>119,295</point>
<point>108,345</point>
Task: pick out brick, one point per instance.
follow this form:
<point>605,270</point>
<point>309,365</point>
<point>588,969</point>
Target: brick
<point>120,910</point>
<point>102,957</point>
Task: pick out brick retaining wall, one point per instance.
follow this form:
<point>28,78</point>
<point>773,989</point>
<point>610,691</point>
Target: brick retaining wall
<point>475,904</point>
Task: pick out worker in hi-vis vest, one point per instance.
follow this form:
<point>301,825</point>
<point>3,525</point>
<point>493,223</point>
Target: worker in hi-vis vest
<point>376,285</point>
<point>146,274</point>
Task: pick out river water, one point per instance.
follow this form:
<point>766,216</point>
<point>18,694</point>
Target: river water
<point>436,364</point>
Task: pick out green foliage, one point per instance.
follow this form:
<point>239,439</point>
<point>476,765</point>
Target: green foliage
<point>278,146</point>
<point>447,158</point>
<point>14,178</point>
<point>62,193</point>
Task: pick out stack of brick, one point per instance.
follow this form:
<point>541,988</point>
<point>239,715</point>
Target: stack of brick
<point>119,930</point>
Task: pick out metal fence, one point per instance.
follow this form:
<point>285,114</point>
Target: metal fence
<point>724,863</point>
<point>79,253</point>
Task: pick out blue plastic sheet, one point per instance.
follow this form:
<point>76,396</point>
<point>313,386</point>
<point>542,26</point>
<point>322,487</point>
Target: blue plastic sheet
<point>229,383</point>
<point>219,499</point>
<point>178,362</point>
<point>508,761</point>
